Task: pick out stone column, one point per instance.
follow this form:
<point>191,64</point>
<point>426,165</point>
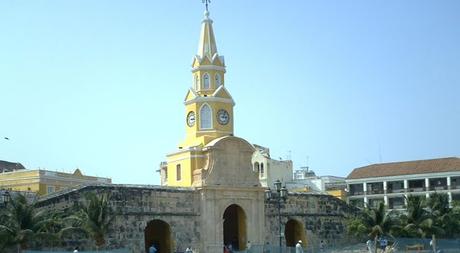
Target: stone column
<point>365,188</point>
<point>448,183</point>
<point>406,185</point>
<point>385,197</point>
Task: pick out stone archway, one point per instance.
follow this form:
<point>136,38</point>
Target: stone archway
<point>158,233</point>
<point>235,227</point>
<point>294,231</point>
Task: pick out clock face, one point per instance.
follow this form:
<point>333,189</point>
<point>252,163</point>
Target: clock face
<point>191,119</point>
<point>223,117</point>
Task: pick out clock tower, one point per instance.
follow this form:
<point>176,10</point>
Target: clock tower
<point>208,110</point>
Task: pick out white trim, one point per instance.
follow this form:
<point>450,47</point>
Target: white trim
<point>208,67</point>
<point>187,157</point>
<point>214,131</point>
<point>201,99</point>
<point>201,117</point>
<point>404,177</point>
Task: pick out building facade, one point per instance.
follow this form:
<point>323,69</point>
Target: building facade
<point>44,182</point>
<point>390,183</point>
<point>268,169</point>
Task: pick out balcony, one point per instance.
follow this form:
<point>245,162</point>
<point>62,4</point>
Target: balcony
<point>396,190</point>
<point>438,188</point>
<point>356,193</point>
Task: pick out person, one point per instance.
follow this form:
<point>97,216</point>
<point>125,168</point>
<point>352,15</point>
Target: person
<point>369,246</point>
<point>266,248</point>
<point>298,247</point>
<point>383,244</point>
<point>188,250</point>
<point>152,249</point>
<point>75,250</point>
<point>321,246</point>
<point>248,247</point>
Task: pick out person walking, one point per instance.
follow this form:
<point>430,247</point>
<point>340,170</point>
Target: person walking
<point>75,250</point>
<point>152,249</point>
<point>248,247</point>
<point>298,247</point>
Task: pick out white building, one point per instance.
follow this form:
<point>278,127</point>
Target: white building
<point>270,169</point>
<point>391,182</point>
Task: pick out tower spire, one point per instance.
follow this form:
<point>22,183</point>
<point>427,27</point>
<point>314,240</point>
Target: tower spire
<point>206,2</point>
<point>207,45</point>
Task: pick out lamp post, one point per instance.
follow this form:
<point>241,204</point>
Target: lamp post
<point>5,198</point>
<point>279,195</point>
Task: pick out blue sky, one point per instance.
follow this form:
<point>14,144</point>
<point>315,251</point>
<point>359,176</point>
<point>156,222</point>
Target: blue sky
<point>99,85</point>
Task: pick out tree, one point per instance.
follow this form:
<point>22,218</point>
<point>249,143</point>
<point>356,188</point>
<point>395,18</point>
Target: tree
<point>94,217</point>
<point>373,222</point>
<point>21,222</point>
<point>417,220</point>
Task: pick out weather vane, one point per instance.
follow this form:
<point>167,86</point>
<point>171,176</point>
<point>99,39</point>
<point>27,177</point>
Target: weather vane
<point>206,2</point>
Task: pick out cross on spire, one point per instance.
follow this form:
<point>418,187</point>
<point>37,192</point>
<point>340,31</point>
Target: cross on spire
<point>206,2</point>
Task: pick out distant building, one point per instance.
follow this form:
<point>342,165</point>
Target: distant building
<point>10,166</point>
<point>268,169</point>
<point>44,182</point>
<point>391,182</point>
<point>305,180</point>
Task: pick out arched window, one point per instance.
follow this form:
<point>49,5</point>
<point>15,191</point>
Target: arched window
<point>206,84</point>
<point>196,83</point>
<point>205,117</point>
<point>178,173</point>
<point>256,167</point>
<point>261,170</point>
<point>218,80</point>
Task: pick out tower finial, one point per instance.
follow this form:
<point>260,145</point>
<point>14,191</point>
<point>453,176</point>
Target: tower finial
<point>206,2</point>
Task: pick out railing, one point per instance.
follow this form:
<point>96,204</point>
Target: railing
<point>376,191</point>
<point>356,193</point>
<point>401,190</point>
<point>438,188</point>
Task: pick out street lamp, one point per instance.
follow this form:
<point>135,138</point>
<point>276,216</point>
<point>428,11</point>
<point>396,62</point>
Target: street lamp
<point>279,195</point>
<point>5,198</point>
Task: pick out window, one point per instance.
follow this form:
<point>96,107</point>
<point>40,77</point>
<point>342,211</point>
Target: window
<point>261,170</point>
<point>50,189</point>
<point>196,83</point>
<point>206,84</point>
<point>205,117</point>
<point>256,167</point>
<point>218,80</point>
<point>178,173</point>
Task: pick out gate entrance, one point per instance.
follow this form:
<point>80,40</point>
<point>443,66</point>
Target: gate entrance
<point>158,233</point>
<point>235,227</point>
<point>294,232</point>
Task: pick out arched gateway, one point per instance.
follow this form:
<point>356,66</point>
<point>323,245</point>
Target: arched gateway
<point>235,227</point>
<point>158,233</point>
<point>294,232</point>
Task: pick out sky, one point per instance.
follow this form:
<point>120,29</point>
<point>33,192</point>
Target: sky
<point>332,84</point>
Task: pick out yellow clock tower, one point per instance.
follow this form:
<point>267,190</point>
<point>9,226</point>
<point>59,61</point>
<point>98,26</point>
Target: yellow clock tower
<point>208,110</point>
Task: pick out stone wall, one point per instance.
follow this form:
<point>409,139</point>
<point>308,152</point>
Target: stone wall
<point>321,216</point>
<point>135,206</point>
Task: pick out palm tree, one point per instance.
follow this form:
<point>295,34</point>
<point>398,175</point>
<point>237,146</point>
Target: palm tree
<point>373,221</point>
<point>417,220</point>
<point>94,217</point>
<point>21,222</point>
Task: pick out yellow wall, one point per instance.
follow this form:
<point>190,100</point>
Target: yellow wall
<point>39,180</point>
<point>189,161</point>
<point>340,194</point>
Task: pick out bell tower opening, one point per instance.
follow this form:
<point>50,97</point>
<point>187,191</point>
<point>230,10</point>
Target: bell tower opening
<point>294,232</point>
<point>158,233</point>
<point>235,227</point>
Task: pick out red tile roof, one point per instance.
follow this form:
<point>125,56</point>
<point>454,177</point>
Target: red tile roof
<point>448,164</point>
